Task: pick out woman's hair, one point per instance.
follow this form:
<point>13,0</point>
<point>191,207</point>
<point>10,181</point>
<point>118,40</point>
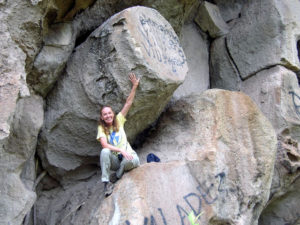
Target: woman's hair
<point>105,126</point>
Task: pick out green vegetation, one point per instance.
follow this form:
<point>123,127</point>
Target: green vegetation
<point>193,219</point>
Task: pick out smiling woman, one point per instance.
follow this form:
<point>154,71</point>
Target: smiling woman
<point>117,154</point>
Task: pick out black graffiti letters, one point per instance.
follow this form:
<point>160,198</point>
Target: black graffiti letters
<point>161,44</point>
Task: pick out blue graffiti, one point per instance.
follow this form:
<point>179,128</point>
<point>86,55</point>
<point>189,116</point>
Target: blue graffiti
<point>295,98</point>
<point>204,194</point>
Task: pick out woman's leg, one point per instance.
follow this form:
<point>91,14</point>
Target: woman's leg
<point>108,161</point>
<point>127,165</point>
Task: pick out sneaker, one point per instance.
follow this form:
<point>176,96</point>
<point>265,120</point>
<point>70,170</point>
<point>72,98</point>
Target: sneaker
<point>113,178</point>
<point>108,188</point>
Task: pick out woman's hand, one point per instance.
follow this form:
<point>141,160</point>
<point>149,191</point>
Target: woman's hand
<point>127,155</point>
<point>135,81</point>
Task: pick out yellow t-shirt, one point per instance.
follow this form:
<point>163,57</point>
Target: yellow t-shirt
<point>117,139</point>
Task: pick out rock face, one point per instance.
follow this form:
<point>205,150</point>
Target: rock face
<point>219,136</point>
<point>217,150</point>
<point>48,65</point>
<point>270,39</point>
<point>175,12</point>
<point>12,77</point>
<point>230,9</point>
<point>276,92</point>
<point>225,150</point>
<point>264,36</point>
<point>194,44</point>
<point>60,35</point>
<point>222,67</point>
<point>183,120</point>
<point>169,190</point>
<point>24,20</point>
<point>260,56</point>
<point>17,197</point>
<point>72,204</point>
<point>210,20</point>
<point>135,40</point>
<point>21,113</point>
<point>283,207</point>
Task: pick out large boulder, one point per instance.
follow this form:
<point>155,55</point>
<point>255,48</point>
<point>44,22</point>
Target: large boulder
<point>266,35</point>
<point>51,60</point>
<point>221,153</point>
<point>277,94</point>
<point>226,150</point>
<point>230,9</point>
<point>283,206</point>
<point>136,40</point>
<point>68,23</point>
<point>210,20</point>
<point>65,25</point>
<point>223,72</point>
<point>184,121</point>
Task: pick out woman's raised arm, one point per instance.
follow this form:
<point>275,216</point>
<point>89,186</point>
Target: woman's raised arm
<point>130,98</point>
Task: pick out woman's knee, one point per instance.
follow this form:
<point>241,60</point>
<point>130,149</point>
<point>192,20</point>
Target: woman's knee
<point>131,164</point>
<point>136,161</point>
<point>105,152</point>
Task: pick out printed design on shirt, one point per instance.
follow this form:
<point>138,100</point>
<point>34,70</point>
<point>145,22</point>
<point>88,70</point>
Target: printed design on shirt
<point>115,138</point>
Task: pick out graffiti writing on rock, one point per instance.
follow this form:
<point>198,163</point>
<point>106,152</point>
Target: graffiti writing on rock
<point>296,102</point>
<point>161,43</point>
<point>208,193</point>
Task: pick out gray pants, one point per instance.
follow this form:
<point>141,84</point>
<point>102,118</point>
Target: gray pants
<point>110,161</point>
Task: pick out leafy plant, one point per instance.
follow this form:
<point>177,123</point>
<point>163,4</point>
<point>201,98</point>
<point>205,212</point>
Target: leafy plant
<point>193,219</point>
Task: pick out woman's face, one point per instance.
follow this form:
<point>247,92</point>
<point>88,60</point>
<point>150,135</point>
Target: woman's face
<point>107,115</point>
